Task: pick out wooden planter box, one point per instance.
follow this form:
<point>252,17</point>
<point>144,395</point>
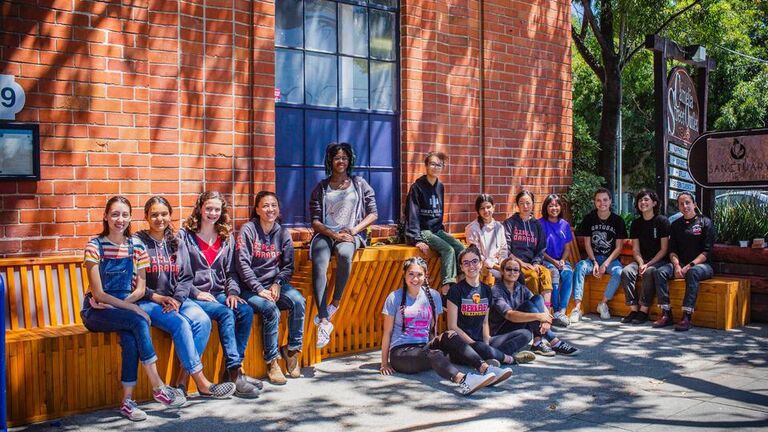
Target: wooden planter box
<point>750,264</point>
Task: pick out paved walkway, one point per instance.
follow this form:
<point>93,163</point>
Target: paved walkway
<point>625,378</point>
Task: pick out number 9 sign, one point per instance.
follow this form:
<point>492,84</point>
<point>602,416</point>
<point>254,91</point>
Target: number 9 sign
<point>12,97</point>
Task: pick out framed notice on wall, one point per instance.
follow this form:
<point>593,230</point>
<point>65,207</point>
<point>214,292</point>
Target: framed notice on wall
<point>19,151</point>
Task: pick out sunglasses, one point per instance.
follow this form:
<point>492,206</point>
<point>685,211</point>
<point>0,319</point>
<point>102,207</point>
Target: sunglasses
<point>511,269</point>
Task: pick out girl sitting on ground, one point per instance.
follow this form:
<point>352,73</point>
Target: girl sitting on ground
<point>265,266</point>
<point>488,235</point>
<point>169,280</point>
<point>408,344</point>
<point>116,267</point>
<point>468,304</point>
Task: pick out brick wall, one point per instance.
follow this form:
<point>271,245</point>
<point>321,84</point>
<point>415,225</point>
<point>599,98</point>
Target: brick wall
<point>172,97</point>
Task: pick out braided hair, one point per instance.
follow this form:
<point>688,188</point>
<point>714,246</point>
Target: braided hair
<point>169,237</point>
<point>418,261</point>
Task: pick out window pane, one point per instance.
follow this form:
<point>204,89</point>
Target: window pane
<point>289,76</point>
<point>321,88</point>
<point>382,34</point>
<point>353,30</point>
<point>387,3</point>
<point>289,23</point>
<point>382,86</point>
<point>354,83</point>
<point>320,22</point>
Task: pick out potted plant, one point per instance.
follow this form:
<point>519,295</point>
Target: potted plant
<point>735,224</point>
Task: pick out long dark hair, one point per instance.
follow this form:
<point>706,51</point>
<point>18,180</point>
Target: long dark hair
<point>652,195</point>
<point>523,193</point>
<point>222,226</point>
<point>696,208</point>
<point>104,225</point>
<point>331,151</point>
<point>549,200</point>
<point>168,234</point>
<point>259,196</point>
<point>419,261</point>
<point>482,198</point>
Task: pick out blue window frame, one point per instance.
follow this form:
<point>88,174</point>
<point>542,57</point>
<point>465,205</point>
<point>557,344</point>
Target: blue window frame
<point>336,80</point>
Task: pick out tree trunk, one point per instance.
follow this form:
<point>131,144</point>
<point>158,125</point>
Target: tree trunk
<point>608,123</point>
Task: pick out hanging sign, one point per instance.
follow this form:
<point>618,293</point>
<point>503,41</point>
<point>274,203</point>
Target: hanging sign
<point>682,107</point>
<point>12,97</point>
<point>733,159</point>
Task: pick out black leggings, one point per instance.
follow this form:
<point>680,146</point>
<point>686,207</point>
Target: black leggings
<point>414,358</point>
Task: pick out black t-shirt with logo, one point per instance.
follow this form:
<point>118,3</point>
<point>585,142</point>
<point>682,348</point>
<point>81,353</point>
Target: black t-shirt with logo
<point>473,304</point>
<point>689,238</point>
<point>602,233</point>
<point>649,232</point>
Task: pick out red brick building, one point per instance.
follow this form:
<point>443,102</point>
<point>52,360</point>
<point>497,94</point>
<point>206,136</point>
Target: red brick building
<point>172,97</point>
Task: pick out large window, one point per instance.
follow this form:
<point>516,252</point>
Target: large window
<point>336,80</point>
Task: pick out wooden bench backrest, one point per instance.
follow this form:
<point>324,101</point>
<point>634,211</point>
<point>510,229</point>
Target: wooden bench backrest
<point>42,292</point>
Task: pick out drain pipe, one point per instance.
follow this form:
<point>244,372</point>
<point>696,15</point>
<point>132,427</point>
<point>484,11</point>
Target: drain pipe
<point>481,138</point>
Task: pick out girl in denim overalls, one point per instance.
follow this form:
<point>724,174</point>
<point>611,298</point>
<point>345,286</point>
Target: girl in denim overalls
<point>116,270</point>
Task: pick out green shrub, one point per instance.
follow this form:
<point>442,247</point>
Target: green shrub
<point>745,220</point>
<point>580,194</point>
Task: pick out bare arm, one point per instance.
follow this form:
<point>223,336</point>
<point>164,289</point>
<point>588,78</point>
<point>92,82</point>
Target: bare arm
<point>523,317</point>
<point>636,252</point>
<point>386,338</point>
<point>453,316</point>
<point>141,286</point>
<point>97,291</point>
<point>661,253</point>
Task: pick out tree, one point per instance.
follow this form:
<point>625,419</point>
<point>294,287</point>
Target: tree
<point>608,34</point>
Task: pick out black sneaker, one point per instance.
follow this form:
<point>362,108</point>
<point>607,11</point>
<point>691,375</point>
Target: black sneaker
<point>629,318</point>
<point>640,318</point>
<point>564,348</point>
<point>543,349</point>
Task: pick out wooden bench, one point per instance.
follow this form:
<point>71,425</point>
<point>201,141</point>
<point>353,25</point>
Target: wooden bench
<point>722,303</point>
<point>56,367</point>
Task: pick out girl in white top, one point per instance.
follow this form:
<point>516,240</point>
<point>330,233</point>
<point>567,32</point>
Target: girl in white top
<point>488,235</point>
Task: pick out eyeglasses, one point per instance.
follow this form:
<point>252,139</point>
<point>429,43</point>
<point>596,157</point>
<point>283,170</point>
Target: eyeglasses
<point>340,159</point>
<point>468,263</point>
<point>436,165</point>
<point>511,270</point>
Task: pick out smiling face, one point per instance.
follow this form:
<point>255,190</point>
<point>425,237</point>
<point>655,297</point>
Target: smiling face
<point>603,202</point>
<point>340,162</point>
<point>470,265</point>
<point>525,206</point>
<point>646,204</point>
<point>118,217</point>
<point>553,210</point>
<point>435,166</point>
<point>511,272</point>
<point>415,276</point>
<point>211,211</point>
<point>268,209</point>
<point>158,218</point>
<point>486,211</point>
<point>686,206</point>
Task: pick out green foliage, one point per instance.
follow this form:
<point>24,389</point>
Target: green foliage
<point>744,220</point>
<point>628,219</point>
<point>580,194</point>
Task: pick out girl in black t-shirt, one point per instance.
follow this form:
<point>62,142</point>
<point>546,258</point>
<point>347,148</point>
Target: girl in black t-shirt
<point>690,243</point>
<point>469,302</point>
<point>650,238</point>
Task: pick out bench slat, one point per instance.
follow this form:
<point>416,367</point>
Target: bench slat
<point>63,294</point>
<point>76,289</point>
<point>52,314</point>
<point>12,302</point>
<point>37,293</point>
<point>26,303</point>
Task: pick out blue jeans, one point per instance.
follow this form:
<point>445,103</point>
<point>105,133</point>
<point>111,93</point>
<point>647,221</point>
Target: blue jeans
<point>234,327</point>
<point>562,285</point>
<point>290,300</point>
<point>190,328</point>
<point>584,268</point>
<point>536,305</point>
<point>135,339</point>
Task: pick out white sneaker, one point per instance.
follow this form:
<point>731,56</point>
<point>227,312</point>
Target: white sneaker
<point>324,334</point>
<point>502,374</point>
<point>605,313</point>
<point>575,316</point>
<point>331,310</point>
<point>130,410</point>
<point>474,382</point>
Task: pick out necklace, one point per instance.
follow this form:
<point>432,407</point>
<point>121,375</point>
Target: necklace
<point>340,185</point>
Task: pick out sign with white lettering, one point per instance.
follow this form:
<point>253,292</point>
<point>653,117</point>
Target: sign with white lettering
<point>678,162</point>
<point>682,107</point>
<point>733,159</point>
<point>12,97</point>
<point>681,185</point>
<point>678,151</point>
<point>677,172</point>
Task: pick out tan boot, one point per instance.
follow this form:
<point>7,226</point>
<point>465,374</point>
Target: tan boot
<point>275,374</point>
<point>291,362</point>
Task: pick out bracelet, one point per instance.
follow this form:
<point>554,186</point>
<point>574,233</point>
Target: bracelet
<point>691,264</point>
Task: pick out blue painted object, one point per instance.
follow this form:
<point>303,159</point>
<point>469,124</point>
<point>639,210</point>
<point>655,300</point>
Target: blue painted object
<point>2,358</point>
